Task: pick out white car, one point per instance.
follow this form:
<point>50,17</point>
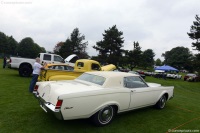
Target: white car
<point>100,96</point>
<point>174,76</point>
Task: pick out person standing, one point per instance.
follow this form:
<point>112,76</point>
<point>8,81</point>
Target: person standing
<point>4,61</point>
<point>36,72</point>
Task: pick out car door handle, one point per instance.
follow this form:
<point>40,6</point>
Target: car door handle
<point>133,90</point>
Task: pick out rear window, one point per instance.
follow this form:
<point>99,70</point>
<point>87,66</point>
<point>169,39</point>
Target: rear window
<point>95,67</point>
<point>92,78</point>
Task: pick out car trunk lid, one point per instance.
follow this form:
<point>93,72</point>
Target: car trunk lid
<point>52,91</point>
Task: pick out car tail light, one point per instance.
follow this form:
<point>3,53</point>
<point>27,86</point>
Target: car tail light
<point>10,61</point>
<point>58,104</point>
<point>36,87</point>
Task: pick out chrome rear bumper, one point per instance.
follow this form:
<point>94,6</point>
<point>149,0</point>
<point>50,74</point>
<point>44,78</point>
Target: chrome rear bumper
<point>50,108</point>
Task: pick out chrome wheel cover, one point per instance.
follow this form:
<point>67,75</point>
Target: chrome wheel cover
<point>105,115</point>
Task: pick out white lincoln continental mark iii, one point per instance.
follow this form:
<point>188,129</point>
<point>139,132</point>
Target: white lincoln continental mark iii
<point>100,96</point>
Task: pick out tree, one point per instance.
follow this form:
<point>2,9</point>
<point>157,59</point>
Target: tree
<point>8,44</point>
<point>27,48</point>
<point>3,42</point>
<point>178,57</point>
<point>196,63</point>
<point>147,58</point>
<point>135,55</point>
<point>12,45</point>
<point>195,33</point>
<point>74,45</point>
<point>43,50</point>
<point>158,62</point>
<point>110,48</point>
<point>57,47</point>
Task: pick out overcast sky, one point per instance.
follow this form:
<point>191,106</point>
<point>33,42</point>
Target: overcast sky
<point>156,24</point>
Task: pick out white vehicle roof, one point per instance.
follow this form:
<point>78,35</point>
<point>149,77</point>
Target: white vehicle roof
<point>108,74</point>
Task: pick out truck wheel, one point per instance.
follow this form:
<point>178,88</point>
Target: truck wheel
<point>104,116</point>
<point>25,71</point>
<point>161,103</point>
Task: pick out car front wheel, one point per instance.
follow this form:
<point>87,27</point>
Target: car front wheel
<point>161,103</point>
<point>104,116</point>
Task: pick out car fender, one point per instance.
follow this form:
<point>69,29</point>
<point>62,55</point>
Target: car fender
<point>103,105</point>
<point>161,94</point>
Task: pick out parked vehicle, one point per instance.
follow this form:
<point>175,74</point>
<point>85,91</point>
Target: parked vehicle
<point>100,96</point>
<point>149,73</point>
<point>25,65</point>
<point>191,77</point>
<point>81,66</point>
<point>140,71</point>
<point>134,72</point>
<point>121,69</point>
<point>174,76</point>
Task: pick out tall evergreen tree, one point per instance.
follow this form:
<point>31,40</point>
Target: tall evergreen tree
<point>110,48</point>
<point>194,33</point>
<point>135,55</point>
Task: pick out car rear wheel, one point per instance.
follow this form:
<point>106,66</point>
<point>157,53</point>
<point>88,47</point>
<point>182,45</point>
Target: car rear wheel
<point>161,103</point>
<point>104,116</point>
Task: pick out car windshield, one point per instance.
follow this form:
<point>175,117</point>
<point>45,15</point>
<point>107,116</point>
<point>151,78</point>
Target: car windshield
<point>92,78</point>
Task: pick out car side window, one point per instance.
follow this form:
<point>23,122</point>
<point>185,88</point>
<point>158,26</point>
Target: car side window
<point>59,68</point>
<point>68,68</point>
<point>134,82</point>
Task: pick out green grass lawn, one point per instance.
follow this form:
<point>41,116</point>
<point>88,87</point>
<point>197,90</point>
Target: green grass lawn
<point>20,111</point>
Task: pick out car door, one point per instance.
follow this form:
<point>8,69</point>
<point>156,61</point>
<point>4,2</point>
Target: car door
<point>141,94</point>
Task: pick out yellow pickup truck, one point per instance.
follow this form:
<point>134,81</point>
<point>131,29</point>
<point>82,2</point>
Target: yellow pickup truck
<point>81,66</point>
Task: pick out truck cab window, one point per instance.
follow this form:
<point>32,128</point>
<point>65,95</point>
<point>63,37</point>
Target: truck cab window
<point>58,58</point>
<point>47,57</point>
<point>80,64</point>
